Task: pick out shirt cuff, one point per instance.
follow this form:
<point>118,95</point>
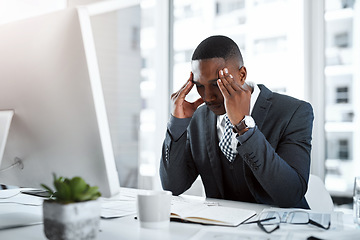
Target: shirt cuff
<point>177,126</point>
<point>243,138</point>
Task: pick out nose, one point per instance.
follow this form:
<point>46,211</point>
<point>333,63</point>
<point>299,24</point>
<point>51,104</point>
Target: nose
<point>209,95</point>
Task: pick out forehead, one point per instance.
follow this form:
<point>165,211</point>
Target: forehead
<point>207,69</point>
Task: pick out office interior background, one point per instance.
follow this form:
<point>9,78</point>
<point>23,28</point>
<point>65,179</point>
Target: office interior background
<point>309,49</point>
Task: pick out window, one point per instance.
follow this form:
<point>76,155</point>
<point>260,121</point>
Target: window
<point>342,95</point>
<point>268,43</point>
<point>224,7</point>
<point>154,89</point>
<point>343,149</point>
<point>342,77</point>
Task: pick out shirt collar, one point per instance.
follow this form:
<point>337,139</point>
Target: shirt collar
<point>254,96</point>
<point>219,121</point>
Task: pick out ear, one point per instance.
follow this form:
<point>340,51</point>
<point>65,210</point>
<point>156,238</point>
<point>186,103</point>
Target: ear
<point>242,74</point>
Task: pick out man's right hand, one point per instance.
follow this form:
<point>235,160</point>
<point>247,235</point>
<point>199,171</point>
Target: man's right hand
<point>180,107</point>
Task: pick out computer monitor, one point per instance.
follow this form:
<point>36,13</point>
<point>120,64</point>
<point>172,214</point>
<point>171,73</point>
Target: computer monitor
<point>5,120</point>
<point>49,77</point>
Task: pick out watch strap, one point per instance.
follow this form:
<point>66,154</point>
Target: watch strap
<point>240,126</point>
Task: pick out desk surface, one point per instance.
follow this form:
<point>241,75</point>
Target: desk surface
<point>129,228</point>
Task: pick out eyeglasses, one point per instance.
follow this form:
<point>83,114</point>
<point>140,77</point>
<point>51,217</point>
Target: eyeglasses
<point>269,221</point>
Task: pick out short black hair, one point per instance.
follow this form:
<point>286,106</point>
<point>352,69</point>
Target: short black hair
<point>218,47</point>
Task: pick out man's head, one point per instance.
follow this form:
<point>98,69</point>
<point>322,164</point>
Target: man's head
<point>218,47</point>
<point>212,55</point>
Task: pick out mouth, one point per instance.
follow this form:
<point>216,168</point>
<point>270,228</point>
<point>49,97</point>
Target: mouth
<point>214,105</point>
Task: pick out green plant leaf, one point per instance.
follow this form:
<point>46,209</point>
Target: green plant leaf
<point>63,191</point>
<point>77,186</point>
<point>91,194</point>
<point>48,189</point>
<point>72,190</point>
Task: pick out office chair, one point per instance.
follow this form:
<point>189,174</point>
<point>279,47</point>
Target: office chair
<point>317,196</point>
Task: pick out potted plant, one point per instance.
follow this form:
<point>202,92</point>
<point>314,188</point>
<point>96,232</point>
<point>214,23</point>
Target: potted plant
<point>72,211</point>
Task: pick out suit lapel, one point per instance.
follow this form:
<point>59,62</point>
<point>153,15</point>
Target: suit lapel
<point>213,148</point>
<point>259,114</point>
<point>262,106</point>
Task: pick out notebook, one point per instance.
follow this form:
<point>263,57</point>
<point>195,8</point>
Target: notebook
<point>212,215</point>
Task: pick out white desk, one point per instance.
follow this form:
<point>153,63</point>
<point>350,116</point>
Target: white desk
<point>128,227</point>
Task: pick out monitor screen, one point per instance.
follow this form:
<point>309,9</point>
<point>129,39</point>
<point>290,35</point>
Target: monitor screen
<point>60,123</point>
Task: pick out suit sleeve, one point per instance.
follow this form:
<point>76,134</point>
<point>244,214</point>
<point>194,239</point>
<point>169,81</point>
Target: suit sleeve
<point>177,169</point>
<point>279,175</point>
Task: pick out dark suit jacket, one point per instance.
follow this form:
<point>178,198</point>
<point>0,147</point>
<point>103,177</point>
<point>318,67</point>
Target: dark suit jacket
<point>276,156</point>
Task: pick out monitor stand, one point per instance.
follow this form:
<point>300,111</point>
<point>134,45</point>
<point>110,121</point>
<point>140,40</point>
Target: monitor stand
<point>5,121</point>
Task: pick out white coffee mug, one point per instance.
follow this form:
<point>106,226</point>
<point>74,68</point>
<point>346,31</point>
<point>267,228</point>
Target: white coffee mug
<point>154,209</point>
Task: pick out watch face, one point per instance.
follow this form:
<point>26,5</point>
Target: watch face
<point>249,122</point>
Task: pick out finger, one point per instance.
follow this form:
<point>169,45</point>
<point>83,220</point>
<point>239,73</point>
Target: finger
<point>184,92</point>
<point>231,80</point>
<point>223,89</point>
<point>183,87</point>
<point>187,88</point>
<point>189,84</point>
<point>191,76</point>
<point>186,83</point>
<point>189,80</point>
<point>245,87</point>
<point>234,84</point>
<point>175,95</point>
<point>227,80</point>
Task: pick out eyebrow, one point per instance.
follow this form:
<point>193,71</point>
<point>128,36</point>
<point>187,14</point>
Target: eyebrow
<point>211,81</point>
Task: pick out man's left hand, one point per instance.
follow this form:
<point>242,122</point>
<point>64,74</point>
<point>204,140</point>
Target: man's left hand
<point>236,96</point>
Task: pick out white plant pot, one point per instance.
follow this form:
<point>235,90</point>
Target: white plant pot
<point>71,221</point>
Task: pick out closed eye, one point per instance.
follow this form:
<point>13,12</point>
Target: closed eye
<point>197,84</point>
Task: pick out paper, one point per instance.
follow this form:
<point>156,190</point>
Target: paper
<point>117,208</point>
<point>203,213</point>
<point>14,196</point>
<point>19,219</point>
<point>121,205</point>
<point>339,235</point>
<point>225,234</point>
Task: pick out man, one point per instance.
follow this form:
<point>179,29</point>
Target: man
<point>246,142</point>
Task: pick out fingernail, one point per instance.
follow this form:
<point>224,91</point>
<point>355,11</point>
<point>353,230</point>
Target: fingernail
<point>221,72</point>
<point>231,76</point>
<point>226,70</point>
